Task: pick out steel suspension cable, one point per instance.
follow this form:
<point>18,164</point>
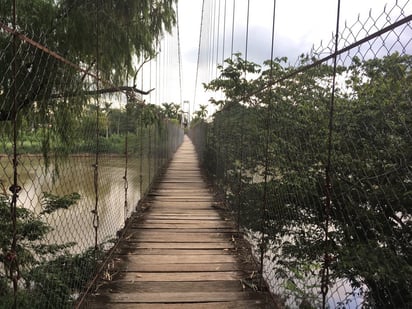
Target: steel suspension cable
<point>328,172</point>
<point>198,53</point>
<point>150,79</point>
<point>126,153</point>
<point>157,83</point>
<point>218,36</point>
<point>141,154</point>
<point>95,211</point>
<point>233,29</point>
<point>247,30</point>
<point>212,40</point>
<point>242,131</point>
<point>163,71</point>
<point>224,32</point>
<point>14,272</point>
<point>263,245</point>
<point>179,56</point>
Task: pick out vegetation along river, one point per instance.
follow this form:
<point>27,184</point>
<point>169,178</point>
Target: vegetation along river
<point>75,174</point>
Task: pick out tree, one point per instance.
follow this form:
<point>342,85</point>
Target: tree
<point>87,33</point>
<point>33,256</point>
<point>371,186</point>
<point>202,112</point>
<point>369,223</point>
<point>172,110</point>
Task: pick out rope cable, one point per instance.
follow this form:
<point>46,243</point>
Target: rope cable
<point>15,188</point>
<point>158,75</point>
<point>242,131</point>
<point>247,30</point>
<point>328,172</point>
<point>265,218</point>
<point>233,29</point>
<point>224,32</point>
<point>179,55</point>
<point>198,53</point>
<point>95,211</point>
<point>218,36</point>
<point>150,78</point>
<point>212,40</point>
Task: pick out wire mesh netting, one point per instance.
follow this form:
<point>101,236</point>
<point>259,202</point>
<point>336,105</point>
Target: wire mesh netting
<point>314,161</point>
<point>77,150</point>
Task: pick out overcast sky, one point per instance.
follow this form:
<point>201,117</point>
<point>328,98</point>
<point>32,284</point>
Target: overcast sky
<point>299,25</point>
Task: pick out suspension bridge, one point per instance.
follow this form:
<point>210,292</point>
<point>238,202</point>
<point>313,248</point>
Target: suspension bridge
<point>116,193</point>
<point>181,252</point>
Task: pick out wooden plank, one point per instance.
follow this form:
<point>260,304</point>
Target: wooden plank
<point>183,208</point>
<point>182,259</point>
<point>170,208</point>
<point>184,182</point>
<point>176,191</point>
<point>176,202</point>
<point>243,304</point>
<point>153,251</point>
<point>181,276</point>
<point>183,286</point>
<point>175,235</point>
<point>180,245</point>
<point>198,232</point>
<point>187,297</point>
<point>183,225</point>
<point>153,219</point>
<point>179,238</point>
<point>182,197</point>
<point>190,267</point>
<point>227,231</point>
<point>166,220</point>
<point>193,208</point>
<point>188,217</point>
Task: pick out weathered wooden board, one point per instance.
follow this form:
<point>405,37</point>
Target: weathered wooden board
<point>182,259</point>
<point>223,231</point>
<point>179,245</point>
<point>153,251</point>
<point>173,287</point>
<point>182,276</point>
<point>156,268</point>
<point>172,210</point>
<point>243,304</point>
<point>163,220</point>
<point>186,297</point>
<point>194,218</point>
<point>183,225</point>
<point>177,234</point>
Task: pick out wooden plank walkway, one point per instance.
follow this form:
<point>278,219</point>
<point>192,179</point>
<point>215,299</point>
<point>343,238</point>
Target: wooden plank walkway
<point>179,253</point>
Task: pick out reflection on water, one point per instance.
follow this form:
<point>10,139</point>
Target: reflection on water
<point>341,294</point>
<point>76,174</point>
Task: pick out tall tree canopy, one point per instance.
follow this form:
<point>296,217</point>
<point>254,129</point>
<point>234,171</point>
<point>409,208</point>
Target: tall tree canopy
<point>101,37</point>
<point>107,35</point>
<point>282,133</point>
<point>77,28</point>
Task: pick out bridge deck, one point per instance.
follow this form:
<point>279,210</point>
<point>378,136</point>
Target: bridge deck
<point>179,253</point>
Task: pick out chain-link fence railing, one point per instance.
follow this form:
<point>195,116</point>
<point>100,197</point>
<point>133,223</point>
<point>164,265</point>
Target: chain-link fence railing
<point>314,161</point>
<point>77,151</point>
